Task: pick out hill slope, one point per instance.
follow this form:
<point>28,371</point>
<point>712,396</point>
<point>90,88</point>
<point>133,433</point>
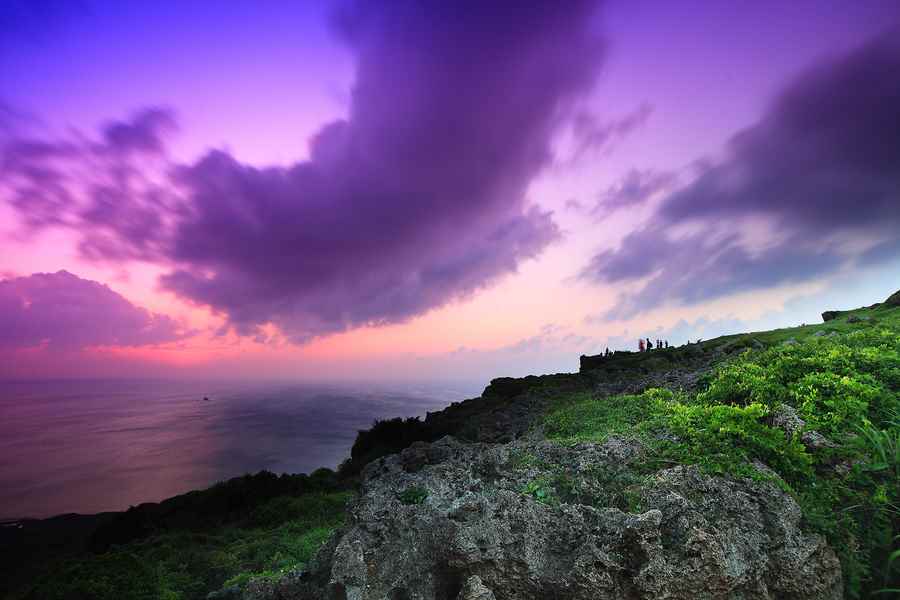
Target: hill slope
<point>759,465</point>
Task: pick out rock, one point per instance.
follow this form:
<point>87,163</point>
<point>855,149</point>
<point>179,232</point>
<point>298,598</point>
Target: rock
<point>893,299</point>
<point>855,319</point>
<point>414,457</point>
<point>232,592</point>
<point>814,440</point>
<point>785,417</point>
<point>533,519</point>
<point>789,342</point>
<point>830,315</point>
<point>271,588</point>
<point>474,589</point>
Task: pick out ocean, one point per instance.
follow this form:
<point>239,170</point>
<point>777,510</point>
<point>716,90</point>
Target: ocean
<point>104,445</point>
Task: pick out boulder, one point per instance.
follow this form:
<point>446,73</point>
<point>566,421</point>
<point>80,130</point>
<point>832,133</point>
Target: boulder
<point>533,519</point>
<point>830,315</point>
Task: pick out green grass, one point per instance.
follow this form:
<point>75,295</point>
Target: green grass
<point>542,490</point>
<point>628,363</point>
<point>580,418</point>
<point>280,535</point>
<point>845,385</point>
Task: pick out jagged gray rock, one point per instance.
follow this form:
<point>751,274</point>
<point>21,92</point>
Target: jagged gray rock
<point>539,520</point>
<point>785,417</point>
<point>474,589</point>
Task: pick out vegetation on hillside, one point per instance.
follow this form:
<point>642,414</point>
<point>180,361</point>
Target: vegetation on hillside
<point>814,409</point>
<point>841,378</point>
<point>200,542</point>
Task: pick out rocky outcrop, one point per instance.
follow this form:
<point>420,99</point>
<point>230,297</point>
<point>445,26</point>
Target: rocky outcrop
<point>859,319</point>
<point>893,299</point>
<point>506,410</point>
<point>533,519</point>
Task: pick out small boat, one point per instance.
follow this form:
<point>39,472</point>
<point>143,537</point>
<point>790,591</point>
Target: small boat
<point>206,398</point>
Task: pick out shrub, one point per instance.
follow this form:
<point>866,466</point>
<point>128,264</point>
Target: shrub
<point>281,534</point>
<point>846,387</point>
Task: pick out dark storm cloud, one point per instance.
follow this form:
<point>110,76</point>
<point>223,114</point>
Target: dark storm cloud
<point>821,170</point>
<point>63,312</point>
<point>416,199</point>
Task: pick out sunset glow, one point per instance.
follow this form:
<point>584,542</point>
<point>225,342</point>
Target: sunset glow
<point>296,194</point>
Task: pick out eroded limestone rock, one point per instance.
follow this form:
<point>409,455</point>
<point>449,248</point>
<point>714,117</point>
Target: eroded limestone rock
<point>540,520</point>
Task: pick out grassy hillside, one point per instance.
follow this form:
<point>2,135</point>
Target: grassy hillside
<point>815,408</point>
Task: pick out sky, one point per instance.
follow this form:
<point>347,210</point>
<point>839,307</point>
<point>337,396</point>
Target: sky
<point>425,191</point>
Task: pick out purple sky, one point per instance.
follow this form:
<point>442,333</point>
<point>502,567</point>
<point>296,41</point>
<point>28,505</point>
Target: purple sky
<point>416,188</point>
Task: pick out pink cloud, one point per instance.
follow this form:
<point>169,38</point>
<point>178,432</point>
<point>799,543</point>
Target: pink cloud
<point>60,311</point>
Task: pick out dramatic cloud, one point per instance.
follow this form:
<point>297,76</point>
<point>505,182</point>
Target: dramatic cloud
<point>414,200</point>
<point>813,187</point>
<point>113,191</point>
<point>635,188</point>
<point>60,311</point>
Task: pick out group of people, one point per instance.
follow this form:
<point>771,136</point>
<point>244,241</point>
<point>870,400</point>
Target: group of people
<point>644,345</point>
<point>647,345</point>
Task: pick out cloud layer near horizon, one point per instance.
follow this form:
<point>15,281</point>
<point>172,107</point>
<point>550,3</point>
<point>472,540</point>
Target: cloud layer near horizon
<point>416,199</point>
<point>60,311</point>
<point>811,188</point>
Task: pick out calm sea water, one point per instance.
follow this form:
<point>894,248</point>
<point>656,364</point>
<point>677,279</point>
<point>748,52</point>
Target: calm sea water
<point>92,446</point>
